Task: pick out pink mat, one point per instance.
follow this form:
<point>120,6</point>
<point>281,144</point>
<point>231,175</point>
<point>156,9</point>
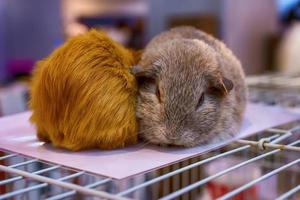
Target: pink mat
<point>17,135</point>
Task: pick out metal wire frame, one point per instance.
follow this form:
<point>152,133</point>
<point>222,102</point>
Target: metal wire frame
<point>251,183</point>
<point>206,180</point>
<point>46,181</point>
<point>277,136</point>
<point>289,193</point>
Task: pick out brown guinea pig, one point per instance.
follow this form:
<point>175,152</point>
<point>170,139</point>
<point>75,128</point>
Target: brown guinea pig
<point>83,95</point>
<point>192,89</point>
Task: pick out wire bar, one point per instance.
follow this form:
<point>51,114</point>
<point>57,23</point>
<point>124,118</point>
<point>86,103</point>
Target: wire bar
<point>167,175</point>
<point>23,163</point>
<point>8,156</point>
<point>60,183</point>
<point>251,183</point>
<point>71,193</point>
<point>175,172</point>
<point>206,180</point>
<point>268,145</point>
<point>289,193</point>
<point>38,186</point>
<point>274,137</point>
<point>282,137</point>
<point>276,130</point>
<point>10,180</point>
<point>286,133</point>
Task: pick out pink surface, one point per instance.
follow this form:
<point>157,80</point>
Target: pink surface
<point>18,135</point>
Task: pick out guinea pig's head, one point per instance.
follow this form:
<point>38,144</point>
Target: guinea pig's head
<point>181,93</point>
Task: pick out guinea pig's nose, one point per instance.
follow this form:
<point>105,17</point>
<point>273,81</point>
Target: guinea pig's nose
<point>171,134</point>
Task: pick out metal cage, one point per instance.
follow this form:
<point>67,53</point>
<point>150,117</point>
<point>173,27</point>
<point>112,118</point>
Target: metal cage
<point>263,166</point>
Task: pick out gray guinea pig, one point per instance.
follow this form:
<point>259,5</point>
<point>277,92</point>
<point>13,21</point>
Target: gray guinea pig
<point>192,89</point>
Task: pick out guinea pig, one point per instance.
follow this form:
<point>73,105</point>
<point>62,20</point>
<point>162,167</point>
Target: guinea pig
<point>192,89</point>
<point>83,95</point>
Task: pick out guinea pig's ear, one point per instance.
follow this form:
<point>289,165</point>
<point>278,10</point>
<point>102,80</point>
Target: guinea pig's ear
<point>223,85</point>
<point>145,77</point>
<point>139,71</point>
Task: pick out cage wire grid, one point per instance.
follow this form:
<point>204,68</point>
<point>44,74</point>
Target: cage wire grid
<point>267,146</point>
<point>33,178</point>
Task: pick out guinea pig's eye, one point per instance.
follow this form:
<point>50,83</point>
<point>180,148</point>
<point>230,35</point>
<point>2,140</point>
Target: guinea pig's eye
<point>158,94</point>
<point>201,100</point>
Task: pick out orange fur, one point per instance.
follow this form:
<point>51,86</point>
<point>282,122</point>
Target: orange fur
<point>83,95</point>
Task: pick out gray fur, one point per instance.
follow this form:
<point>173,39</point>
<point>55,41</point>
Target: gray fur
<point>184,63</point>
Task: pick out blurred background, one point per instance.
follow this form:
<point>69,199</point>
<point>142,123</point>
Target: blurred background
<point>265,35</point>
